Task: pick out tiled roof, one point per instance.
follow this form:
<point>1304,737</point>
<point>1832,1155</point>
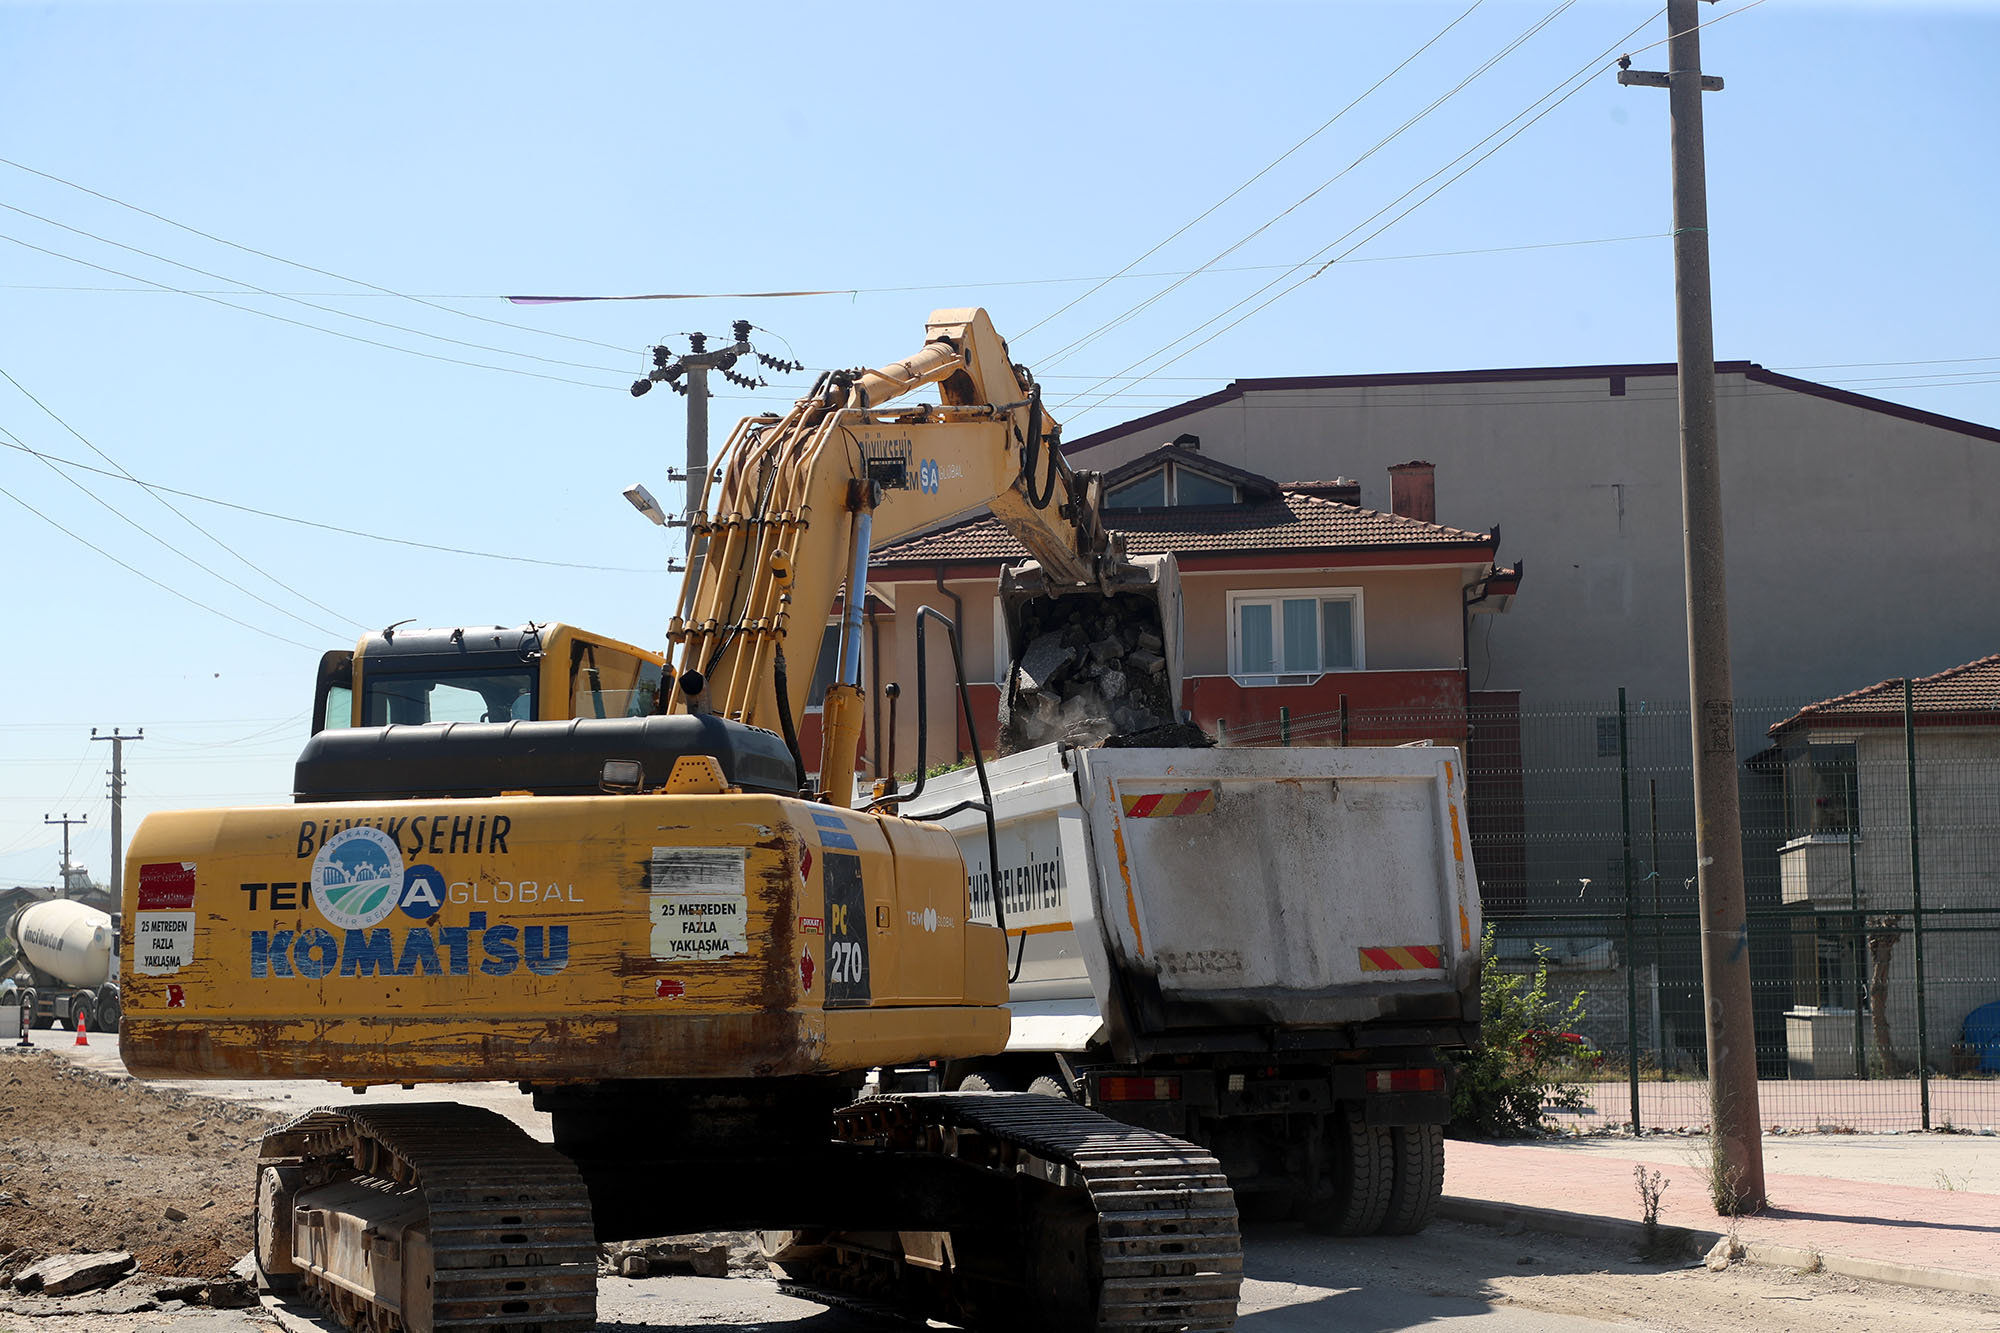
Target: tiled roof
<point>1289,522</point>
<point>1970,689</point>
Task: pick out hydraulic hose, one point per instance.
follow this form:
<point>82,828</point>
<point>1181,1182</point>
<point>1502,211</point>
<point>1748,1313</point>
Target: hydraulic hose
<point>1031,455</point>
<point>785,725</point>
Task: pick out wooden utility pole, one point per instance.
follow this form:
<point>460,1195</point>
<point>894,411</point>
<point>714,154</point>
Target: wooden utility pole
<point>1737,1171</point>
<point>687,375</point>
<point>66,822</point>
<point>118,739</point>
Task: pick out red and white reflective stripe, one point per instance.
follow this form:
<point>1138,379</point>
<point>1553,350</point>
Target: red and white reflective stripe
<point>1403,958</point>
<point>1406,1080</point>
<point>1167,804</point>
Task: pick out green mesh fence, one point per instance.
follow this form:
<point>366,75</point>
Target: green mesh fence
<point>1874,921</point>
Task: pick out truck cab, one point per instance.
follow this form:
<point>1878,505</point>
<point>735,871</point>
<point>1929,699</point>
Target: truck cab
<point>529,673</point>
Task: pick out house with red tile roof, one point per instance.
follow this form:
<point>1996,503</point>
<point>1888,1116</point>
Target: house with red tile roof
<point>1848,765</point>
<point>1824,488</point>
<point>1300,607</point>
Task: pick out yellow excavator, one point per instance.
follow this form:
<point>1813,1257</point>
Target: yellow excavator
<point>623,895</point>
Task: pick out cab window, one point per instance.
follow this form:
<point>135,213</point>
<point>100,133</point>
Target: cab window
<point>483,696</point>
<point>605,682</point>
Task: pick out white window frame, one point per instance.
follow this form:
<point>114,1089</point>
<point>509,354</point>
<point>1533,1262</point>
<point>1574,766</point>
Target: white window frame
<point>1172,486</point>
<point>1240,597</point>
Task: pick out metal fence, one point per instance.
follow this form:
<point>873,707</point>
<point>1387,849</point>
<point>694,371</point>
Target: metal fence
<point>1872,870</point>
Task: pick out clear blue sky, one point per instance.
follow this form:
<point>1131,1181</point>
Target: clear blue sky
<point>981,154</point>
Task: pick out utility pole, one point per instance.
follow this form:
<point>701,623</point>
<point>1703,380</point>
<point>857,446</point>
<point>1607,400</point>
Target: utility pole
<point>65,821</point>
<point>687,375</point>
<point>1737,1167</point>
<point>118,739</point>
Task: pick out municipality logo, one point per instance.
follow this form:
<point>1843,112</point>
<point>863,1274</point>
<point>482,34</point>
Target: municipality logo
<point>357,878</point>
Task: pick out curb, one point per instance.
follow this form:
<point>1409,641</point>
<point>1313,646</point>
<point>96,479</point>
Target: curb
<point>1694,1243</point>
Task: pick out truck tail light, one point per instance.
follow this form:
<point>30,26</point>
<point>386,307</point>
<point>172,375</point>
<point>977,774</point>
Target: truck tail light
<point>1121,1088</point>
<point>1406,1080</point>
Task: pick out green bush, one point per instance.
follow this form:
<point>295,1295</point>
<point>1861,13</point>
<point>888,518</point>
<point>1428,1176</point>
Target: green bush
<point>1523,1061</point>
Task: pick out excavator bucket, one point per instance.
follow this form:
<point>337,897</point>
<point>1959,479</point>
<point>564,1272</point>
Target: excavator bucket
<point>1091,664</point>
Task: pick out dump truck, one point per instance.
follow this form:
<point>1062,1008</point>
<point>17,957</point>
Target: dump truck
<point>1265,951</point>
<point>688,953</point>
<point>69,966</point>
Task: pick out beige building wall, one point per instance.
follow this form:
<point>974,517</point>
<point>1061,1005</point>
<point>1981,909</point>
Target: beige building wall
<point>1860,546</point>
<point>1958,805</point>
<point>1402,627</point>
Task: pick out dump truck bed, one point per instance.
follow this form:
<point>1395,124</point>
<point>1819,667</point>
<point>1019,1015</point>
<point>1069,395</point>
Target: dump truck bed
<point>1205,899</point>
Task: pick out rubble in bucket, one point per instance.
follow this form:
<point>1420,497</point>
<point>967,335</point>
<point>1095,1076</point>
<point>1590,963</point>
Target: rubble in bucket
<point>1091,668</point>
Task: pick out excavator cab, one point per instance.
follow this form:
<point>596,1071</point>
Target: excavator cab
<point>528,673</point>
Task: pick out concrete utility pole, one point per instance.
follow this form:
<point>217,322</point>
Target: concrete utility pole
<point>118,739</point>
<point>1737,1172</point>
<point>65,821</point>
<point>693,368</point>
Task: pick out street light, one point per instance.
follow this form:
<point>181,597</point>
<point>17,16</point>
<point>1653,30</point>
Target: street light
<point>643,501</point>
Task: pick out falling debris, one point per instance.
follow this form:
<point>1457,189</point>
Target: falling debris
<point>1090,669</point>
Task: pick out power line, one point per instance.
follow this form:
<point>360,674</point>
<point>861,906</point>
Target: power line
<point>1260,174</point>
<point>324,527</point>
<point>144,531</point>
<point>148,577</point>
<point>1582,78</point>
<point>265,291</point>
<point>1867,365</point>
<point>293,263</point>
<point>928,286</point>
<point>242,559</point>
<point>296,300</point>
<point>1078,344</point>
<point>1638,50</point>
<point>300,323</point>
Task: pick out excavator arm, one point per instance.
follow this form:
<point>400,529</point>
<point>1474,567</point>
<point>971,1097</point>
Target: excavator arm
<point>798,501</point>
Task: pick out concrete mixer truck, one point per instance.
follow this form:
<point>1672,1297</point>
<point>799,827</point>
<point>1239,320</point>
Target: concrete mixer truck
<point>67,967</point>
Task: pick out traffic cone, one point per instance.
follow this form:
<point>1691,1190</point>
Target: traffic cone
<point>82,1037</point>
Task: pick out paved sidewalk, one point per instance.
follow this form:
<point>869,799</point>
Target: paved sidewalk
<point>1917,1209</point>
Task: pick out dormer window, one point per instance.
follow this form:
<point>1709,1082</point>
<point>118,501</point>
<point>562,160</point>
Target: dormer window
<point>1172,484</point>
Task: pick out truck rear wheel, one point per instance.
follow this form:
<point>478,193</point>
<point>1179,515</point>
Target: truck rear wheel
<point>82,1010</point>
<point>1047,1085</point>
<point>1418,1179</point>
<point>986,1081</point>
<point>1362,1162</point>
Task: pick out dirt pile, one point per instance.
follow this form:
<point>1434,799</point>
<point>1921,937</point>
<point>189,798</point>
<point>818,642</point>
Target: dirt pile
<point>1090,668</point>
<point>93,1163</point>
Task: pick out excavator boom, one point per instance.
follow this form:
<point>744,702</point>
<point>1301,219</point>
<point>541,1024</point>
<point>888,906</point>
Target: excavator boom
<point>799,500</point>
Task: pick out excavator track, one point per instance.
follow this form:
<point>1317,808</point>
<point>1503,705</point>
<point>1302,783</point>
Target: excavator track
<point>1159,1250</point>
<point>504,1241</point>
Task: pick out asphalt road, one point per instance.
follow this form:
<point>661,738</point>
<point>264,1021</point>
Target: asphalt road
<point>1450,1275</point>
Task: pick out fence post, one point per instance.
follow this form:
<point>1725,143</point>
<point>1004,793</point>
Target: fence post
<point>1343,719</point>
<point>1631,963</point>
<point>1284,725</point>
<point>1859,943</point>
<point>1917,903</point>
